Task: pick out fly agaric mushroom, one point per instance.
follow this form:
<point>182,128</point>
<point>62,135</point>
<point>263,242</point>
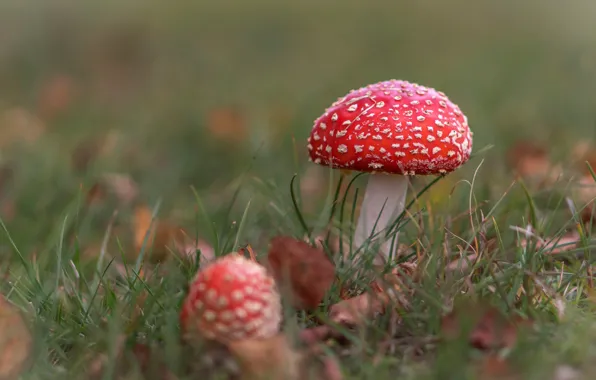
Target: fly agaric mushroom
<point>232,298</point>
<point>391,129</point>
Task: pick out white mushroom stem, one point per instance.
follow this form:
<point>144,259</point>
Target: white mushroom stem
<point>384,200</point>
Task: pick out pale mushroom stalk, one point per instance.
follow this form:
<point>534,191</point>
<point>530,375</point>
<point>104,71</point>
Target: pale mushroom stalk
<point>384,200</point>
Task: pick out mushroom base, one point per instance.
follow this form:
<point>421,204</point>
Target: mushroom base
<point>384,200</point>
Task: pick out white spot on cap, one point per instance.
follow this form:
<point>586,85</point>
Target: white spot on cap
<point>237,295</point>
<point>323,125</point>
<point>334,117</point>
<point>211,294</point>
<point>436,150</point>
<point>252,306</point>
<point>353,108</point>
<point>240,313</point>
<point>342,148</point>
<point>209,315</point>
<point>222,301</point>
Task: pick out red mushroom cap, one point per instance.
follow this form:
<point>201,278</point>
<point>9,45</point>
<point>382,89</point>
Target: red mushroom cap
<point>232,298</point>
<point>393,127</point>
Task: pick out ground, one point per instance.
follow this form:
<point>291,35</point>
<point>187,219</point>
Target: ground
<point>195,117</point>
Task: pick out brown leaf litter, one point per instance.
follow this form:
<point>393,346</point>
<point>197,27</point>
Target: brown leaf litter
<point>15,341</point>
<point>485,327</point>
<point>306,270</point>
<point>161,237</point>
<point>530,160</point>
<point>554,245</point>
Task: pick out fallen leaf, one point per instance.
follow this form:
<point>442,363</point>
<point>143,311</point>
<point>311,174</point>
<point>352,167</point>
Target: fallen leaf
<point>227,123</point>
<point>307,271</point>
<point>17,125</point>
<point>585,194</point>
<point>315,334</point>
<point>396,284</point>
<point>530,160</point>
<point>581,152</point>
<point>153,235</point>
<point>553,246</point>
<point>356,311</point>
<point>494,367</point>
<point>161,239</point>
<point>122,185</point>
<point>56,96</point>
<point>15,341</point>
<point>484,326</point>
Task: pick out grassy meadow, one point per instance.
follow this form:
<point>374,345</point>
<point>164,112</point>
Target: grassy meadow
<point>137,136</point>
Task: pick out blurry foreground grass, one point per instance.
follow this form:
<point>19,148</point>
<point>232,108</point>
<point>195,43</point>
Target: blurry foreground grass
<point>196,116</point>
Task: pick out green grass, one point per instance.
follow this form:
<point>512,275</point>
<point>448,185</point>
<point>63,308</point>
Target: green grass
<point>517,71</point>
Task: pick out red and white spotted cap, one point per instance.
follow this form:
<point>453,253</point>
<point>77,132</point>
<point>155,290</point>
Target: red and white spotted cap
<point>393,127</point>
<point>232,298</point>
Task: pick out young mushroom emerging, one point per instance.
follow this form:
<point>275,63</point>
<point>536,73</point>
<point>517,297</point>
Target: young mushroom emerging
<point>391,129</point>
<point>232,298</point>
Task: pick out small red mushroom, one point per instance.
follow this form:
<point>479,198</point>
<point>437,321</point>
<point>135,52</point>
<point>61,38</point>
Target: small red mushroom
<point>392,129</point>
<point>232,298</point>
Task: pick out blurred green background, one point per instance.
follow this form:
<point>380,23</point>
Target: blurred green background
<point>179,94</point>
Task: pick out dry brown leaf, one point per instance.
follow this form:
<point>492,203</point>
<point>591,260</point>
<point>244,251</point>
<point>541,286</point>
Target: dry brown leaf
<point>530,160</point>
<point>56,96</point>
<point>356,311</point>
<point>227,123</point>
<point>585,194</point>
<point>396,285</point>
<point>486,326</point>
<point>315,334</point>
<point>15,341</point>
<point>121,186</point>
<point>580,152</point>
<point>553,246</point>
<point>154,235</point>
<point>306,271</point>
<point>272,359</point>
<point>162,238</point>
<point>17,125</point>
<point>494,367</point>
